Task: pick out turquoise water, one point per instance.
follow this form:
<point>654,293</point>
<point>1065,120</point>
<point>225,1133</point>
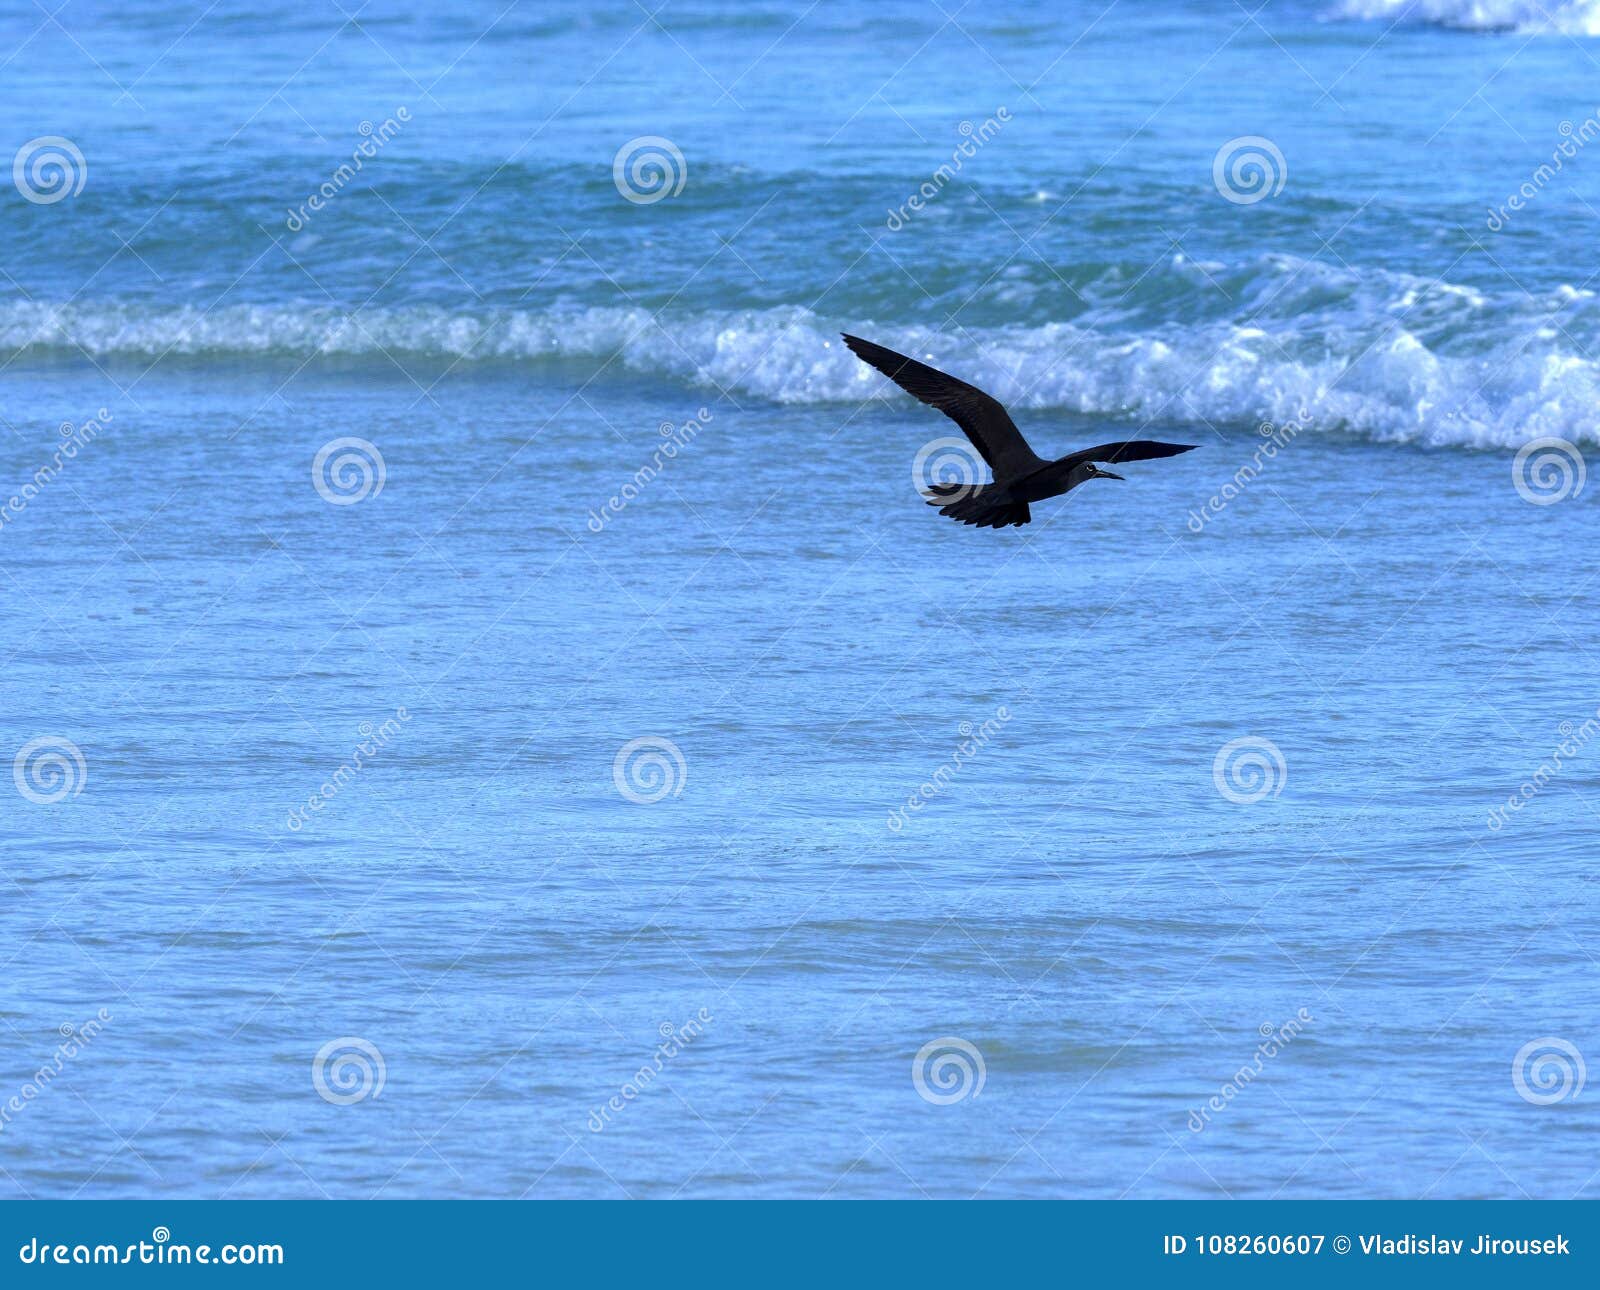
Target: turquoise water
<point>338,854</point>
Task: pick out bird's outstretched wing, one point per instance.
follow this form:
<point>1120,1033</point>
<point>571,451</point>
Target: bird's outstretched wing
<point>1129,450</point>
<point>985,421</point>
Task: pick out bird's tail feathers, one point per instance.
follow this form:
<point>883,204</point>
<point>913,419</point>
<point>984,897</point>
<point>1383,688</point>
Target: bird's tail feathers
<point>980,506</point>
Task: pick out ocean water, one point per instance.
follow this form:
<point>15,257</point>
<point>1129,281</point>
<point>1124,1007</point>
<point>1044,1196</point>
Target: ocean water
<point>490,715</point>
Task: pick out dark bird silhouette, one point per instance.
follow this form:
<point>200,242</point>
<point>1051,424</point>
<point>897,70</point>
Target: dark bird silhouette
<point>1021,476</point>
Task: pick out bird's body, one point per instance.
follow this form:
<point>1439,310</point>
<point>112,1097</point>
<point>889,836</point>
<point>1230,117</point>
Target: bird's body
<point>1021,476</point>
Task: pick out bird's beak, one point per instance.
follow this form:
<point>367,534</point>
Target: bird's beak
<point>1106,474</point>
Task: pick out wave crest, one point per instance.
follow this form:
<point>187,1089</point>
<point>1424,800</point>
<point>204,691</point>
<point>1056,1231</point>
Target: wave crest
<point>1376,354</point>
<point>1564,17</point>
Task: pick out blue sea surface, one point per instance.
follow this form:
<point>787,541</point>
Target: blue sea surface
<point>490,714</point>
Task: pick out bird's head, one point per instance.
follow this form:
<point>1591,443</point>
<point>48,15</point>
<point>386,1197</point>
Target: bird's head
<point>1096,473</point>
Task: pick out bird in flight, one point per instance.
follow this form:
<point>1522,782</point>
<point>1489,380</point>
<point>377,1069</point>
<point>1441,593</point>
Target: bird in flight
<point>1021,476</point>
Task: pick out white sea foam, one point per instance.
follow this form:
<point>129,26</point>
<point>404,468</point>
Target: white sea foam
<point>1383,355</point>
<point>1568,17</point>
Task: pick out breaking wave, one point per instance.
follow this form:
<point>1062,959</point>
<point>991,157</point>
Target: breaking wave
<point>1381,355</point>
<point>1566,17</point>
